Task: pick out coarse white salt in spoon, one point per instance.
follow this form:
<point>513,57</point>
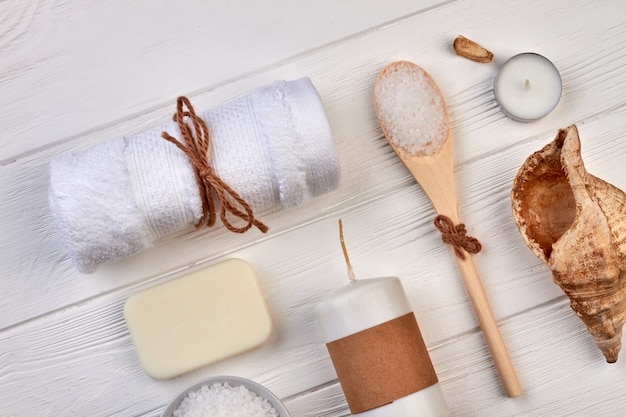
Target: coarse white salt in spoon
<point>411,110</point>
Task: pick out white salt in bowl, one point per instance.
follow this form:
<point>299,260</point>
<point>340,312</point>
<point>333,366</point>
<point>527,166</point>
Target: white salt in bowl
<point>233,381</point>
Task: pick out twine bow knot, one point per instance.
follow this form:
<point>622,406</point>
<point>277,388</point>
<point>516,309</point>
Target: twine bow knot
<point>195,145</point>
<point>456,236</point>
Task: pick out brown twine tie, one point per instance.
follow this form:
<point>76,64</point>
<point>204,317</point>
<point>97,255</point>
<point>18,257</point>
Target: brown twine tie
<point>196,147</point>
<point>456,236</point>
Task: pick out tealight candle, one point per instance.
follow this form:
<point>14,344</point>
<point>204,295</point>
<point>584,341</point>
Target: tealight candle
<point>528,87</point>
<point>378,352</point>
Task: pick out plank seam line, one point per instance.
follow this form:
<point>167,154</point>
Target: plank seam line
<point>473,331</point>
<point>241,77</point>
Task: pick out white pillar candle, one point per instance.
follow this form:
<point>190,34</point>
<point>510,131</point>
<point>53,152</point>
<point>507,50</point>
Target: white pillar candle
<point>528,87</point>
<point>354,311</point>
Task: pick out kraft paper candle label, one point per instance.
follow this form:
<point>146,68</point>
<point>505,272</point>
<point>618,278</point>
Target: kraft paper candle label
<point>382,364</point>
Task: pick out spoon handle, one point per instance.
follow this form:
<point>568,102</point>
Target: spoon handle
<point>435,174</point>
<point>489,326</point>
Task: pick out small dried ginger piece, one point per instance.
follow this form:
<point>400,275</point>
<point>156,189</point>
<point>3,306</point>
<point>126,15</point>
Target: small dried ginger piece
<point>471,50</point>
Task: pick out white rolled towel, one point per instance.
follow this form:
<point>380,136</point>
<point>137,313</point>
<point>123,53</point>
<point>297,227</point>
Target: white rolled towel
<point>272,146</point>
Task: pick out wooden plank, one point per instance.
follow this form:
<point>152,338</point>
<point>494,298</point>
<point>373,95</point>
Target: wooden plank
<point>549,343</point>
<point>67,67</point>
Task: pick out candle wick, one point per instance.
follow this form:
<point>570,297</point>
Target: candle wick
<point>345,252</point>
<point>526,85</point>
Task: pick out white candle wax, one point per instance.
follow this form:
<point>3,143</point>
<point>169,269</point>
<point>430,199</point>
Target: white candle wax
<point>528,87</point>
<point>361,305</point>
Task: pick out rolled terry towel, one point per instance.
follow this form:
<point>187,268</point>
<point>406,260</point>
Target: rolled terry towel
<point>272,146</point>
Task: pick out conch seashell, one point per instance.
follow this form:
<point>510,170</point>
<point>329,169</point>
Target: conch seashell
<point>576,224</point>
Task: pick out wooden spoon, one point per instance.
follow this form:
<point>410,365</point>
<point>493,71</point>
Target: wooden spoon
<point>413,116</point>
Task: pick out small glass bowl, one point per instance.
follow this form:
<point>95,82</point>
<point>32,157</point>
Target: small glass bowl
<point>234,381</point>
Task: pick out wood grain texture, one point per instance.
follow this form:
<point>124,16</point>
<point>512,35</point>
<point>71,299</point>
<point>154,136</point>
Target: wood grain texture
<point>91,64</point>
<point>73,74</point>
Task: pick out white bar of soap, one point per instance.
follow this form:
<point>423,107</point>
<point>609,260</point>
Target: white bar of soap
<point>198,319</point>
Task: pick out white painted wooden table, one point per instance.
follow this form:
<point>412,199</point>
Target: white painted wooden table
<point>76,73</point>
